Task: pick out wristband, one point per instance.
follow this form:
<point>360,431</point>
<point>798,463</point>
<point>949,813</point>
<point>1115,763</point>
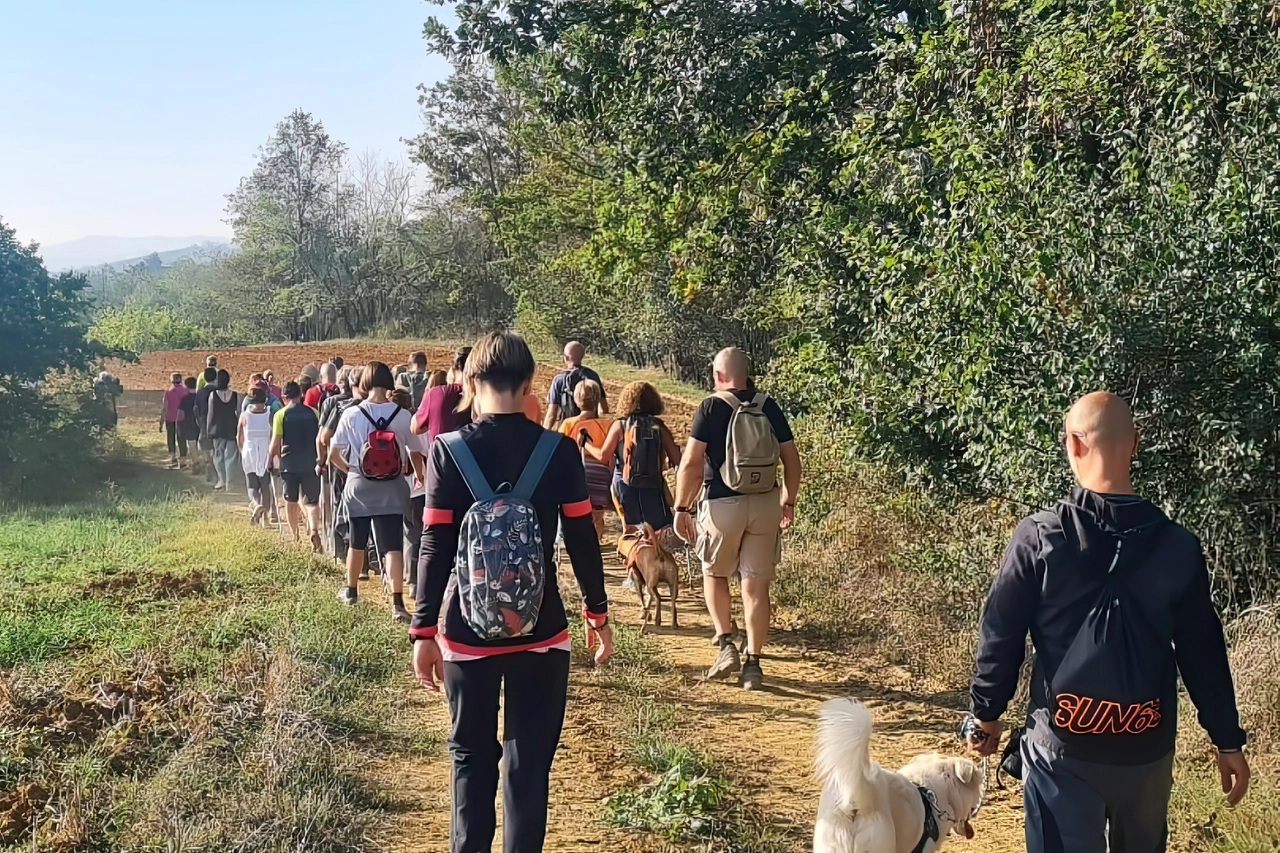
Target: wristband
<point>684,509</point>
<point>1235,751</point>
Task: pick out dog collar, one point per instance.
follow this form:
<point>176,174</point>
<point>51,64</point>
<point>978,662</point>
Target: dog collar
<point>930,832</point>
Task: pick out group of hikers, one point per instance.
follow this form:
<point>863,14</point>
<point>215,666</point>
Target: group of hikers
<point>462,476</point>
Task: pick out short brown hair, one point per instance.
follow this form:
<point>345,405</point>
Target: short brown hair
<point>376,375</point>
<point>418,358</point>
<point>587,395</point>
<point>402,398</point>
<point>438,378</point>
<point>502,361</point>
<point>640,398</point>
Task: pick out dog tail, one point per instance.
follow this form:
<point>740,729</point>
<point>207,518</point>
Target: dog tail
<point>843,756</point>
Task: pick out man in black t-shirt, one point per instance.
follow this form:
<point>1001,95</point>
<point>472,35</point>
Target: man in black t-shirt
<point>293,440</point>
<point>736,531</point>
<point>560,405</point>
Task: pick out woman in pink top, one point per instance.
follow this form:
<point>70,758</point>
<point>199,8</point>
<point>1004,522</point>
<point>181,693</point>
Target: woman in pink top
<point>173,416</point>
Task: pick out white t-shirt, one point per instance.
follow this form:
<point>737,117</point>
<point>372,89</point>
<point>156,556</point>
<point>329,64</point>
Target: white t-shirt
<point>373,497</point>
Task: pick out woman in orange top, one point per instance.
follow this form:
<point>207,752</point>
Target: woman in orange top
<point>589,428</point>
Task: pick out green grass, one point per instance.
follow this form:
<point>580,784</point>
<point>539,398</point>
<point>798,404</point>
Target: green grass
<point>171,678</point>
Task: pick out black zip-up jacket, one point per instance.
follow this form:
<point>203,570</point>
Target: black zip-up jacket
<point>1052,575</point>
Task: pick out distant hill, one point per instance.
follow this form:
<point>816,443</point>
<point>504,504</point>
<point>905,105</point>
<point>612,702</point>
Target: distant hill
<point>90,252</point>
<point>168,258</point>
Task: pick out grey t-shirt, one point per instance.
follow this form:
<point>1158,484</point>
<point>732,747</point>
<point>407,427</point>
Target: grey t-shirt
<point>366,498</point>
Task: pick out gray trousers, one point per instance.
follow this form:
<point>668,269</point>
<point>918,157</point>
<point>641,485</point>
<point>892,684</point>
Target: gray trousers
<point>225,456</point>
<point>1080,807</point>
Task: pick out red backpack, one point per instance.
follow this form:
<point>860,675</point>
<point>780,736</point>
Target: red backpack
<point>380,458</point>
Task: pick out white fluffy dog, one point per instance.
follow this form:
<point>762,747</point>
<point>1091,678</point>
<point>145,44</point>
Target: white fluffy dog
<point>867,809</point>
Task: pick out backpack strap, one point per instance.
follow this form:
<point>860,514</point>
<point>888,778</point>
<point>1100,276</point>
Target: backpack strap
<point>537,464</point>
<point>381,423</point>
<point>467,466</point>
<point>730,398</point>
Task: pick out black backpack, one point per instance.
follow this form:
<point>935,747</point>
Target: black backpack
<point>1112,681</point>
<point>572,378</point>
<point>642,452</point>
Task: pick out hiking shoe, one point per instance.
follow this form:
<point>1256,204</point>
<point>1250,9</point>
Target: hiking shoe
<point>752,676</point>
<point>348,596</point>
<point>317,544</point>
<point>219,487</point>
<point>727,662</point>
<point>399,614</point>
<point>364,574</point>
<point>258,513</point>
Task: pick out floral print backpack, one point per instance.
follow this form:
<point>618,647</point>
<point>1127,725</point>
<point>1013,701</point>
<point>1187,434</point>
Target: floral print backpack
<point>501,568</point>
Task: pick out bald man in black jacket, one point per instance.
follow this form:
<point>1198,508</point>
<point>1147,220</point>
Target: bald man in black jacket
<point>1115,597</point>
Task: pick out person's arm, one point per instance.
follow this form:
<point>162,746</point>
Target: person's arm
<point>419,424</point>
<point>670,448</point>
<point>583,545</point>
<point>1201,651</point>
<point>338,446</point>
<point>240,426</point>
<point>604,453</point>
<point>553,416</point>
<point>791,474</point>
<point>688,485</point>
<point>1002,636</point>
<point>435,563</point>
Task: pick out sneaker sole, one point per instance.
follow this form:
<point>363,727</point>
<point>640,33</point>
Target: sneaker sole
<point>714,674</point>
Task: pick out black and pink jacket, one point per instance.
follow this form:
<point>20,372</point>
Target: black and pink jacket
<point>502,444</point>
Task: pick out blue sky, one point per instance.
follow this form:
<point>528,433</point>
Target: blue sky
<point>136,117</point>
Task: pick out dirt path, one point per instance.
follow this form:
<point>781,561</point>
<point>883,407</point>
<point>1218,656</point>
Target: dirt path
<point>764,738</point>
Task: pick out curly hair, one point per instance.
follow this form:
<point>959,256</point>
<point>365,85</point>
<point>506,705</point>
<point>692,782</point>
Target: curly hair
<point>640,398</point>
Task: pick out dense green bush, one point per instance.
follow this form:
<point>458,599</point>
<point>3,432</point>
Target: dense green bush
<point>949,218</point>
<point>138,330</point>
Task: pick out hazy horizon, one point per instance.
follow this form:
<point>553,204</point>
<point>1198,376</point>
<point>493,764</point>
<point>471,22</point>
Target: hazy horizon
<point>135,120</point>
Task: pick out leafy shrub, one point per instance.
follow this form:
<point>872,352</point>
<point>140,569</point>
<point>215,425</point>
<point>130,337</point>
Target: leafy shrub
<point>134,329</point>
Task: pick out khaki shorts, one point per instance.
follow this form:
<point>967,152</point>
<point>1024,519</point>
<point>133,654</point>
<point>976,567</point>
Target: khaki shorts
<point>740,535</point>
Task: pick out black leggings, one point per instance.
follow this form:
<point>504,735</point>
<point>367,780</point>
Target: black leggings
<point>177,441</point>
<point>413,533</point>
<point>533,715</point>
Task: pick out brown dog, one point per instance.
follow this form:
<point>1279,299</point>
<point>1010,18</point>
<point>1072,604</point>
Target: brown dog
<point>648,565</point>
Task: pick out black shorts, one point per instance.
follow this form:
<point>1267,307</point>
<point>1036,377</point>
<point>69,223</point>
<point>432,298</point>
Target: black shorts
<point>388,532</point>
<point>306,482</point>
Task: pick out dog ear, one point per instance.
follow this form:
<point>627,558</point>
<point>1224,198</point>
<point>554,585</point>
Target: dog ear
<point>965,770</point>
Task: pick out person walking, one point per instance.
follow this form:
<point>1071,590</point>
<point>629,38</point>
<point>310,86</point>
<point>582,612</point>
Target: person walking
<point>223,426</point>
<point>417,478</point>
<point>737,439</point>
<point>325,388</point>
<point>415,379</point>
<point>371,446</point>
<point>201,409</point>
<point>560,400</point>
<point>205,378</point>
<point>253,437</point>
<point>522,661</point>
<point>639,447</point>
<point>331,412</point>
<point>171,422</point>
<point>294,441</point>
<point>588,429</point>
<point>1116,599</point>
<point>441,408</point>
<point>189,424</point>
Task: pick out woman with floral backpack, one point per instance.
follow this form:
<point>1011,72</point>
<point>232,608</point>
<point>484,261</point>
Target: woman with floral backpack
<point>496,490</point>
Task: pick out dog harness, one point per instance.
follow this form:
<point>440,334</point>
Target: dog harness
<point>930,820</point>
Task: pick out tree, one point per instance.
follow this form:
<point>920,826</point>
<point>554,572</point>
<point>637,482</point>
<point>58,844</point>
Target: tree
<point>42,317</point>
